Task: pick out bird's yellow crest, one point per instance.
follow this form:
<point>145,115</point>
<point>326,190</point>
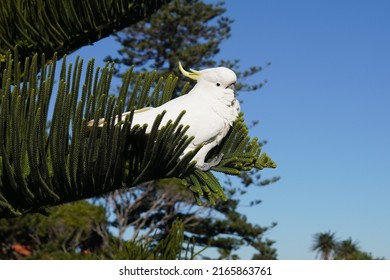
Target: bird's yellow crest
<point>192,75</point>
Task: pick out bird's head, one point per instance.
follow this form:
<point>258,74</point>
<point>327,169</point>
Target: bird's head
<point>220,78</point>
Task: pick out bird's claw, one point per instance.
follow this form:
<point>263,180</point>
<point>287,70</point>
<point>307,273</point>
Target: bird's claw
<point>207,165</point>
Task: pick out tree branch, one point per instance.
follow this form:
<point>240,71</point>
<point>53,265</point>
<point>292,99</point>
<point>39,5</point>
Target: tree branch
<point>58,26</point>
<point>40,168</point>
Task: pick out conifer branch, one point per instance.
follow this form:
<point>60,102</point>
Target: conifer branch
<point>59,26</point>
<point>40,168</point>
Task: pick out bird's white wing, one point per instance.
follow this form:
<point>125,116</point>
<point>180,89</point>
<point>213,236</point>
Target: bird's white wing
<point>211,108</point>
<point>172,110</point>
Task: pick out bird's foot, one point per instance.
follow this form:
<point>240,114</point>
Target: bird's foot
<point>207,165</point>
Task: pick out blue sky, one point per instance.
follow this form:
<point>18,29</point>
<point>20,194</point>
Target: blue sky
<point>324,111</point>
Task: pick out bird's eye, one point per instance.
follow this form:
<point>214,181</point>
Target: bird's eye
<point>218,84</point>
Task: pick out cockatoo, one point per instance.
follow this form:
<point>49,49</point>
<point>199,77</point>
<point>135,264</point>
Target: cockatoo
<point>211,108</point>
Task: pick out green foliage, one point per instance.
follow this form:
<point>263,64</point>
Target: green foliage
<point>49,26</point>
<point>79,231</point>
<point>68,163</point>
<point>62,229</point>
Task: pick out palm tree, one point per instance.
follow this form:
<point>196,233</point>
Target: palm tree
<point>324,244</point>
<point>345,249</point>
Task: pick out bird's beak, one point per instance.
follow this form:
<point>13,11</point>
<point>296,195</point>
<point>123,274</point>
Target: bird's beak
<point>192,75</point>
<point>233,88</point>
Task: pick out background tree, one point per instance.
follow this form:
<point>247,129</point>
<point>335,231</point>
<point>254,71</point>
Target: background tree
<point>346,248</point>
<point>189,31</point>
<point>150,209</point>
<point>79,230</point>
<point>328,247</point>
<point>324,244</point>
<point>62,231</point>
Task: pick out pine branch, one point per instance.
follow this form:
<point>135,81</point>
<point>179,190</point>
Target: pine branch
<point>40,168</point>
<point>62,26</point>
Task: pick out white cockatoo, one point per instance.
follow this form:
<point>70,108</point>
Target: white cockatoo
<point>211,108</point>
